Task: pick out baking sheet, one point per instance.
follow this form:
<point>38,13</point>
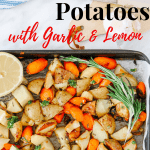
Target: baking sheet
<point>142,74</point>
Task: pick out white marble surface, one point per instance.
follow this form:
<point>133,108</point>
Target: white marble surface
<point>14,20</point>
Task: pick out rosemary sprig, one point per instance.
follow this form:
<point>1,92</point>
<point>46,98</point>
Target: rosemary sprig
<point>119,90</point>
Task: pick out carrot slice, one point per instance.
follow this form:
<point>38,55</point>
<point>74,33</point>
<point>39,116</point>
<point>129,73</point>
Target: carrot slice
<point>37,66</point>
<point>59,117</point>
<point>142,116</point>
<point>47,94</point>
<point>93,144</point>
<point>88,121</point>
<point>105,82</point>
<point>67,108</point>
<point>27,133</point>
<point>82,67</point>
<point>70,66</point>
<point>97,77</point>
<point>79,101</point>
<point>76,113</point>
<point>71,90</point>
<point>141,90</point>
<point>106,62</point>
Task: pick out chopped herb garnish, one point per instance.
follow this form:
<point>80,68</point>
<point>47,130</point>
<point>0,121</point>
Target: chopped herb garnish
<point>128,149</point>
<point>44,103</point>
<point>81,104</point>
<point>11,121</point>
<point>72,83</point>
<point>143,106</point>
<point>108,127</point>
<point>93,82</point>
<point>133,70</point>
<point>37,147</point>
<point>29,102</point>
<point>133,142</point>
<point>122,73</point>
<point>122,107</point>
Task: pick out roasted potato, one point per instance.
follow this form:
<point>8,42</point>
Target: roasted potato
<point>126,77</point>
<point>47,145</point>
<point>100,93</point>
<point>102,107</point>
<point>33,111</point>
<point>113,144</point>
<point>65,147</point>
<point>37,139</point>
<point>89,107</point>
<point>73,135</point>
<point>4,117</point>
<point>49,81</point>
<point>4,132</point>
<point>89,72</point>
<point>119,70</point>
<point>82,85</point>
<point>55,64</point>
<point>13,148</point>
<point>101,147</point>
<point>27,147</point>
<point>13,106</point>
<point>122,110</point>
<point>87,95</point>
<point>115,101</point>
<point>16,131</point>
<point>2,142</point>
<point>108,123</point>
<point>130,145</point>
<point>62,74</point>
<point>46,128</point>
<point>137,125</point>
<point>35,86</point>
<point>75,147</point>
<point>24,81</point>
<point>22,95</point>
<point>121,135</point>
<point>83,140</point>
<point>61,86</point>
<point>26,121</point>
<point>62,97</point>
<point>98,132</point>
<point>2,105</point>
<point>72,125</point>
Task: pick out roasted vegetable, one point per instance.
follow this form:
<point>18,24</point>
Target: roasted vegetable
<point>113,144</point>
<point>47,145</point>
<point>89,107</point>
<point>130,145</point>
<point>141,89</point>
<point>38,139</point>
<point>87,95</point>
<point>4,132</point>
<point>49,81</point>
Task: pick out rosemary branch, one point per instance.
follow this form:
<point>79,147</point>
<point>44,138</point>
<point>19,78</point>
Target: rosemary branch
<point>119,90</point>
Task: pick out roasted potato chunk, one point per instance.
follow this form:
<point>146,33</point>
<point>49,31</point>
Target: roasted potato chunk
<point>115,101</point>
<point>108,123</point>
<point>61,86</point>
<point>4,132</point>
<point>26,121</point>
<point>73,135</point>
<point>49,81</point>
<point>2,105</point>
<point>100,93</point>
<point>24,81</point>
<point>51,110</point>
<point>89,107</point>
<point>75,147</point>
<point>82,85</point>
<point>47,145</point>
<point>83,140</point>
<point>121,135</point>
<point>137,125</point>
<point>113,144</point>
<point>46,128</point>
<point>122,110</point>
<point>16,131</point>
<point>102,107</point>
<point>3,141</point>
<point>87,95</point>
<point>98,132</point>
<point>72,125</point>
<point>101,147</point>
<point>119,70</point>
<point>35,86</point>
<point>4,117</point>
<point>89,72</point>
<point>33,111</point>
<point>130,145</point>
<point>38,139</point>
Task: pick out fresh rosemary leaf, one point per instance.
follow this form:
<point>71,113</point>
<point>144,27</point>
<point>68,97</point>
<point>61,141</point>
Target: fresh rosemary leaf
<point>11,121</point>
<point>133,70</point>
<point>29,102</point>
<point>44,103</point>
<point>93,82</point>
<point>72,83</point>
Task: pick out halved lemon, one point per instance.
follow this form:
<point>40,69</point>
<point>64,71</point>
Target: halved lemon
<point>11,73</point>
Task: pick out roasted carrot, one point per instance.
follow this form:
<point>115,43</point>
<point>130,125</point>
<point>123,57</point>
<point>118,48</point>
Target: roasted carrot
<point>82,67</point>
<point>47,94</point>
<point>26,134</point>
<point>93,144</point>
<point>88,121</point>
<point>106,62</point>
<point>37,66</point>
<point>141,90</point>
<point>97,78</point>
<point>59,117</point>
<point>7,146</point>
<point>67,108</point>
<point>105,82</point>
<point>79,101</point>
<point>76,113</point>
<point>142,116</point>
<point>71,90</point>
<point>70,66</point>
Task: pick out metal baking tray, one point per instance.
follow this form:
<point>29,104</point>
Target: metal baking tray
<point>27,56</point>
